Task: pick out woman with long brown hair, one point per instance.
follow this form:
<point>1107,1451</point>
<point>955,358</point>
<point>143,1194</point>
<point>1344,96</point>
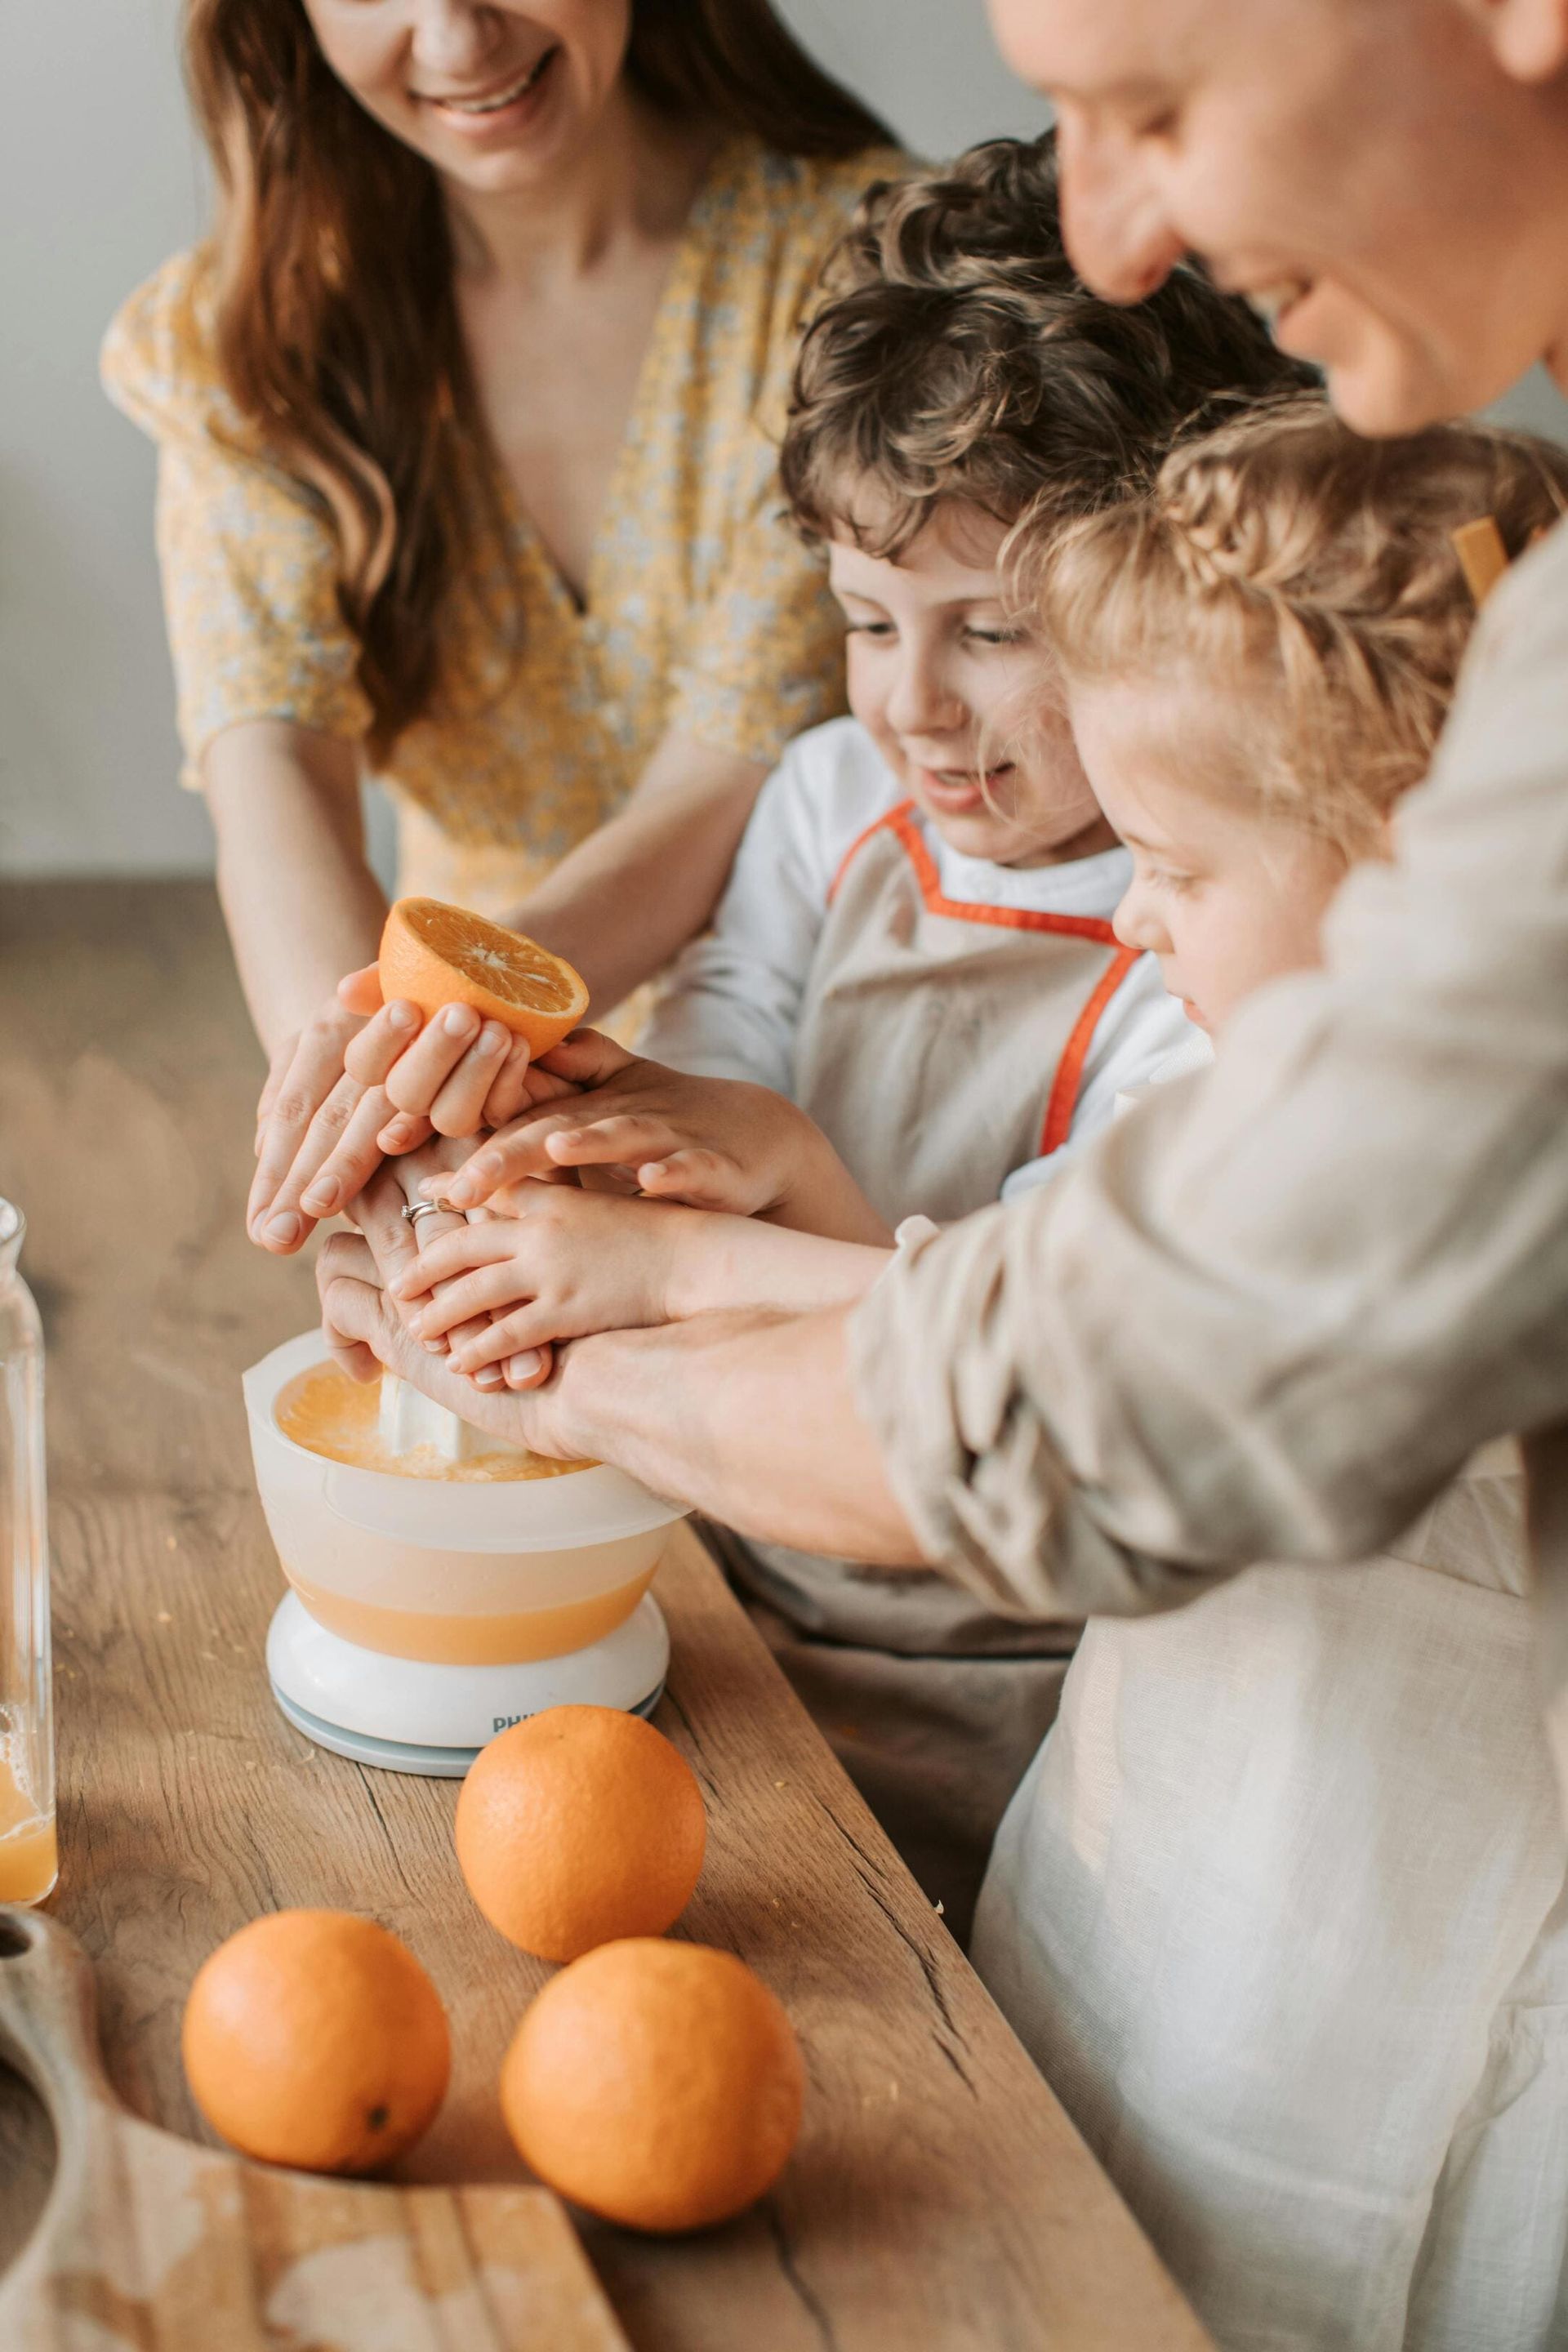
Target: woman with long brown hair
<point>466,417</point>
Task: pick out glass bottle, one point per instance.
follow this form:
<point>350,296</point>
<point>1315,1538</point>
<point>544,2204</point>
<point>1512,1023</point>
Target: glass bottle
<point>29,1861</point>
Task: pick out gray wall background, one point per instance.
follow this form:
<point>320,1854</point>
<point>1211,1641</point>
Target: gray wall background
<point>88,754</point>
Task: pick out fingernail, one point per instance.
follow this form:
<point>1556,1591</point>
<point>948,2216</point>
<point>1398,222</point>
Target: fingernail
<point>493,1039</point>
<point>403,1015</point>
<point>393,1134</point>
<point>489,1376</point>
<point>522,1367</point>
<point>320,1200</point>
<point>435,1347</point>
<point>457,1019</point>
<point>282,1229</point>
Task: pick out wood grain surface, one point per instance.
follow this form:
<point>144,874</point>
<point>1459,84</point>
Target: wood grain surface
<point>147,2239</point>
<point>938,2198</point>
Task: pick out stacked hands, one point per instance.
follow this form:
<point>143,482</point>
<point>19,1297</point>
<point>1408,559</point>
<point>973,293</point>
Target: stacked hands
<point>588,1190</point>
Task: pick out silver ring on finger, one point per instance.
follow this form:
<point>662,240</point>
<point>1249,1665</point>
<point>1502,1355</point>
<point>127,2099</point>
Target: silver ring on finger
<point>412,1211</point>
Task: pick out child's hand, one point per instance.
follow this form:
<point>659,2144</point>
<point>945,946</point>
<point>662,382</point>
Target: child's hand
<point>548,1262</point>
<point>712,1143</point>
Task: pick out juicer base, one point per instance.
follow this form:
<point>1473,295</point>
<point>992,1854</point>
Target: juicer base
<point>398,1756</point>
<point>403,1715</point>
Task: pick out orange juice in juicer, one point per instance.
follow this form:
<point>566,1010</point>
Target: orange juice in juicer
<point>442,1585</point>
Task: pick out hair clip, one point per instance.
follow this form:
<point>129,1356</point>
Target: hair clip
<point>1483,558</point>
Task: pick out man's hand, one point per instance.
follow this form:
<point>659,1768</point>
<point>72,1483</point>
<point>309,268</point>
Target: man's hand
<point>748,1416</point>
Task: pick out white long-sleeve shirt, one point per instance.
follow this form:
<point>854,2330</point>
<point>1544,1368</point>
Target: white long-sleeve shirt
<point>733,1005</point>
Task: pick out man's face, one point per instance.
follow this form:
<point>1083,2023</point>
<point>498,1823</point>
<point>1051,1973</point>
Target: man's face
<point>1365,169</point>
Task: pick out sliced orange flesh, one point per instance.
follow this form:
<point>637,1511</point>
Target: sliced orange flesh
<point>435,955</point>
<point>503,962</point>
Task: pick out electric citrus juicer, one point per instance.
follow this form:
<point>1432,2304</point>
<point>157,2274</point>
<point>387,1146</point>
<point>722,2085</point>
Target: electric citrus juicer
<point>452,1589</point>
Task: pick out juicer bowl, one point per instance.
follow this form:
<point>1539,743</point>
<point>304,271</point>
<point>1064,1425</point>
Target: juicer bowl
<point>451,1572</point>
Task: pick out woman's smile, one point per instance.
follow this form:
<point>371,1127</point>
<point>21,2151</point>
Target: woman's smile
<point>504,108</point>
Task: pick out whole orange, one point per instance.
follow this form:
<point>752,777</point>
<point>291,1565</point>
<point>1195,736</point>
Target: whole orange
<point>315,2039</point>
<point>579,1824</point>
<point>435,954</point>
<point>657,2083</point>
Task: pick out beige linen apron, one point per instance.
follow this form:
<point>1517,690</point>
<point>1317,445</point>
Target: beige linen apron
<point>940,1044</point>
<point>1281,1913</point>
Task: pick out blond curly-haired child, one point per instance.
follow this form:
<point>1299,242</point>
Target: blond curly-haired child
<point>1279,1908</point>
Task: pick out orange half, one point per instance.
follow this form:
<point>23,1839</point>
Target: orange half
<point>436,955</point>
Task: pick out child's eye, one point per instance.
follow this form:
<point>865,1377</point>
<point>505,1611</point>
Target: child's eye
<point>881,629</point>
<point>1168,878</point>
<point>997,637</point>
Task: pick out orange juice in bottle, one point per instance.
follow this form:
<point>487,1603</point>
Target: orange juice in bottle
<point>29,1862</point>
<point>27,1854</point>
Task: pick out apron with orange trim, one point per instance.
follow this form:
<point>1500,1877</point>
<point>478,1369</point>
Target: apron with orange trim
<point>941,1045</point>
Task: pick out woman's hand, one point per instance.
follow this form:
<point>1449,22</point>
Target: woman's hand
<point>304,1072</point>
<point>367,1080</point>
<point>394,1240</point>
<point>555,1264</point>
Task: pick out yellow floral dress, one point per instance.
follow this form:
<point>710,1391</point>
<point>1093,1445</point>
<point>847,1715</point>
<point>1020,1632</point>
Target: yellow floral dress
<point>702,612</point>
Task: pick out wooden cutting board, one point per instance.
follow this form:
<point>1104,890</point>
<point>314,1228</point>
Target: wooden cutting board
<point>150,2240</point>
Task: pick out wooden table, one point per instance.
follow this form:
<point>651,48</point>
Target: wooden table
<point>939,2197</point>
